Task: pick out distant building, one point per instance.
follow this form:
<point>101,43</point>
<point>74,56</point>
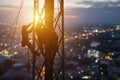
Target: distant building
<point>93,53</point>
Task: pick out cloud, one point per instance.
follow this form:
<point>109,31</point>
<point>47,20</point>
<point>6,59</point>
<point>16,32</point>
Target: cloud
<point>83,6</point>
<point>91,11</point>
<point>100,12</point>
<point>112,5</point>
<point>99,3</point>
<point>8,7</point>
<point>108,12</point>
<point>105,0</point>
<point>71,16</point>
<point>76,4</point>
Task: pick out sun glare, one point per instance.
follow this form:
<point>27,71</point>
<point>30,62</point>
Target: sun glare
<point>36,18</point>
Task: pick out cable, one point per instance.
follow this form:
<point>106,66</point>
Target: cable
<point>16,22</point>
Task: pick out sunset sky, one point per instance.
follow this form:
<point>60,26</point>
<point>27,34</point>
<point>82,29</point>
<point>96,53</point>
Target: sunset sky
<point>76,11</point>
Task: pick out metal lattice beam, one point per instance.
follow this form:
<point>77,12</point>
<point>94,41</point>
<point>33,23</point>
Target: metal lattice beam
<point>47,41</point>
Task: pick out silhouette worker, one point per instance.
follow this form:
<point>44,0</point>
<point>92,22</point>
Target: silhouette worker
<point>25,38</point>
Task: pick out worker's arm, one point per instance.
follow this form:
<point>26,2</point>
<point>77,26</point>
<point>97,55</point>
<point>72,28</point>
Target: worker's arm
<point>30,29</point>
<point>29,24</point>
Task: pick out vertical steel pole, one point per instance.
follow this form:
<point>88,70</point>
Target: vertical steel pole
<point>49,13</point>
<point>34,21</point>
<point>49,16</point>
<point>63,51</point>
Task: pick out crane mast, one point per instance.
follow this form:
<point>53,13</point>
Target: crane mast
<point>45,39</point>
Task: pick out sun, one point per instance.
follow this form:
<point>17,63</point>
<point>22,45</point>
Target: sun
<point>39,17</point>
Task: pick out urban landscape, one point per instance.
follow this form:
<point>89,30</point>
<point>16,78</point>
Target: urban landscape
<point>91,54</point>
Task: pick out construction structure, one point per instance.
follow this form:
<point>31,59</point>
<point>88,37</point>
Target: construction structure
<point>45,39</point>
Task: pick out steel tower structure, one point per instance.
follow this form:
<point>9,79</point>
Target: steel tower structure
<point>45,39</point>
